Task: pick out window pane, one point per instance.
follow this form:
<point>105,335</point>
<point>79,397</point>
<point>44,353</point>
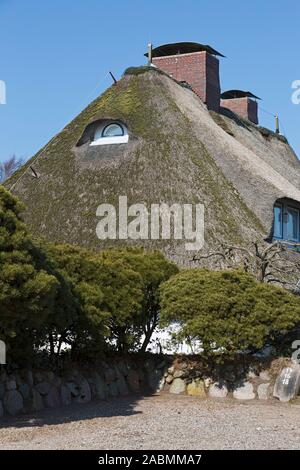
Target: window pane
<point>292,224</point>
<point>113,130</point>
<point>278,221</point>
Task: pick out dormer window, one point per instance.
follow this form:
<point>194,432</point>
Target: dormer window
<point>108,133</point>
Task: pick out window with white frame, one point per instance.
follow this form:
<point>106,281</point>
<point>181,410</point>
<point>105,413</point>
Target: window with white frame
<point>108,133</point>
<point>286,222</point>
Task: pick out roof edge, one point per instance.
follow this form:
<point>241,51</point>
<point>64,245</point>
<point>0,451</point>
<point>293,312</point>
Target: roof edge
<point>182,48</point>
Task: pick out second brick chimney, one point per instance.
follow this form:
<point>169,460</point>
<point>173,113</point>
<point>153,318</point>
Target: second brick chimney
<point>242,103</point>
<point>193,63</point>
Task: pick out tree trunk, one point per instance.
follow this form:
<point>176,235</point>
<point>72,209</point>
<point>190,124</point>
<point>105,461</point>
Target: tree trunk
<point>51,342</point>
<point>148,334</point>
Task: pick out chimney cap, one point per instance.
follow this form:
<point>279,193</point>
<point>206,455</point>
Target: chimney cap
<point>232,94</point>
<point>182,48</point>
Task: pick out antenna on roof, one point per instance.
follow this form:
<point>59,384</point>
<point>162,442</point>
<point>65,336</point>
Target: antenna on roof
<point>277,130</point>
<point>149,53</point>
<point>113,77</point>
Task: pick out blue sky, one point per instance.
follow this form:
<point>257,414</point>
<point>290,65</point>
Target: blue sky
<point>55,55</point>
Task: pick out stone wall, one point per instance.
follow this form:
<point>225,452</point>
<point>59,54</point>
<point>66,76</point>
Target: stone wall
<point>25,391</point>
<point>240,381</point>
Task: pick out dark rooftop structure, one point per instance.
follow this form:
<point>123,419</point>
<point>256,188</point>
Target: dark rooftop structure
<point>232,94</point>
<point>182,48</point>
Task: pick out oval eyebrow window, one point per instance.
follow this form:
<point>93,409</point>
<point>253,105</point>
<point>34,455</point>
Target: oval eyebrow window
<point>110,133</point>
<point>113,130</point>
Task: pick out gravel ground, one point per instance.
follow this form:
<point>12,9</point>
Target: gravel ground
<point>158,422</point>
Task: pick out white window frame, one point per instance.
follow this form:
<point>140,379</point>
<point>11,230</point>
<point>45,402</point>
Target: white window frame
<point>120,139</point>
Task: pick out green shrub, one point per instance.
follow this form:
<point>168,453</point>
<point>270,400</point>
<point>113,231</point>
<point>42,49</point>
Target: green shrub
<point>117,292</point>
<point>27,291</point>
<point>228,311</point>
<point>153,269</point>
<point>53,295</point>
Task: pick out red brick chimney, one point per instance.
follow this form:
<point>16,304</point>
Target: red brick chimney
<point>240,103</point>
<point>195,64</point>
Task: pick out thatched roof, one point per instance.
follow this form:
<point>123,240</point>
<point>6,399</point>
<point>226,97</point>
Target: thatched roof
<point>178,151</point>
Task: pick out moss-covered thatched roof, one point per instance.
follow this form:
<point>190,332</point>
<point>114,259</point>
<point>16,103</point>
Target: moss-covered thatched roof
<point>178,151</point>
